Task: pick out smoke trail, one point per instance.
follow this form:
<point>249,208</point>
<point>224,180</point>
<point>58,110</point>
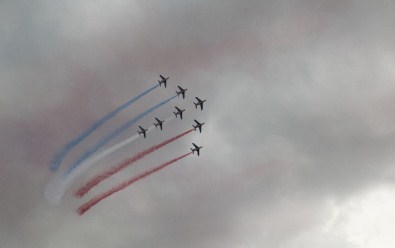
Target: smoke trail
<point>58,158</point>
<point>113,135</point>
<point>85,207</point>
<point>112,149</point>
<point>105,174</point>
<point>58,186</point>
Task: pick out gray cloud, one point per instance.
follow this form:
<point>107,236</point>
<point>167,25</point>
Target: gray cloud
<point>299,113</point>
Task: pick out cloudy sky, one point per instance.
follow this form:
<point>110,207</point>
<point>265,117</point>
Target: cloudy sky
<point>299,134</point>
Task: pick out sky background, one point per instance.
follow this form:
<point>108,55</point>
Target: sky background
<point>299,134</point>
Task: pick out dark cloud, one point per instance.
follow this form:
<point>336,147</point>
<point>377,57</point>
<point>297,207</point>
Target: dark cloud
<point>299,114</point>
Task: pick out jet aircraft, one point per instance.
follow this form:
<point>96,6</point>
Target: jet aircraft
<point>200,102</point>
<point>179,112</point>
<point>163,81</point>
<point>196,149</point>
<point>182,92</point>
<point>142,131</point>
<point>158,123</point>
<point>198,125</point>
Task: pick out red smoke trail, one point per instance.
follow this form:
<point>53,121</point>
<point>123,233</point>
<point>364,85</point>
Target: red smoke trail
<point>105,174</point>
<point>92,202</point>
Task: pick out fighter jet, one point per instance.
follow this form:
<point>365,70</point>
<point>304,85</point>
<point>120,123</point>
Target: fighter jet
<point>163,81</point>
<point>158,123</point>
<point>182,92</point>
<point>200,102</point>
<point>179,112</point>
<point>142,131</point>
<point>198,125</point>
<point>196,149</point>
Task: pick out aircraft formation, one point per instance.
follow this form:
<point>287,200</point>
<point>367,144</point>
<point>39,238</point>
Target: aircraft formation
<point>178,112</point>
<point>59,184</point>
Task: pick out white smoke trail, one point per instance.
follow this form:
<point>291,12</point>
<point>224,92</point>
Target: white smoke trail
<point>58,185</point>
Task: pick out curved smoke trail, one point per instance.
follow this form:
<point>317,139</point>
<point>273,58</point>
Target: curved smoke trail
<point>58,185</point>
<point>58,158</point>
<point>103,141</point>
<point>105,174</point>
<point>92,202</point>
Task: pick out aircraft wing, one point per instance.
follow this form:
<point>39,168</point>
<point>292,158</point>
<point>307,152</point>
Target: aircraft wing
<point>195,145</point>
<point>197,98</point>
<point>180,88</point>
<point>178,109</point>
<point>162,77</point>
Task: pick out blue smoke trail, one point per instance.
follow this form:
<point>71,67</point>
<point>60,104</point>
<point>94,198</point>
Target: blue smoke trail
<point>57,160</point>
<point>112,135</point>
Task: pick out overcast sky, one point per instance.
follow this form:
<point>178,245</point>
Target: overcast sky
<point>299,134</point>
